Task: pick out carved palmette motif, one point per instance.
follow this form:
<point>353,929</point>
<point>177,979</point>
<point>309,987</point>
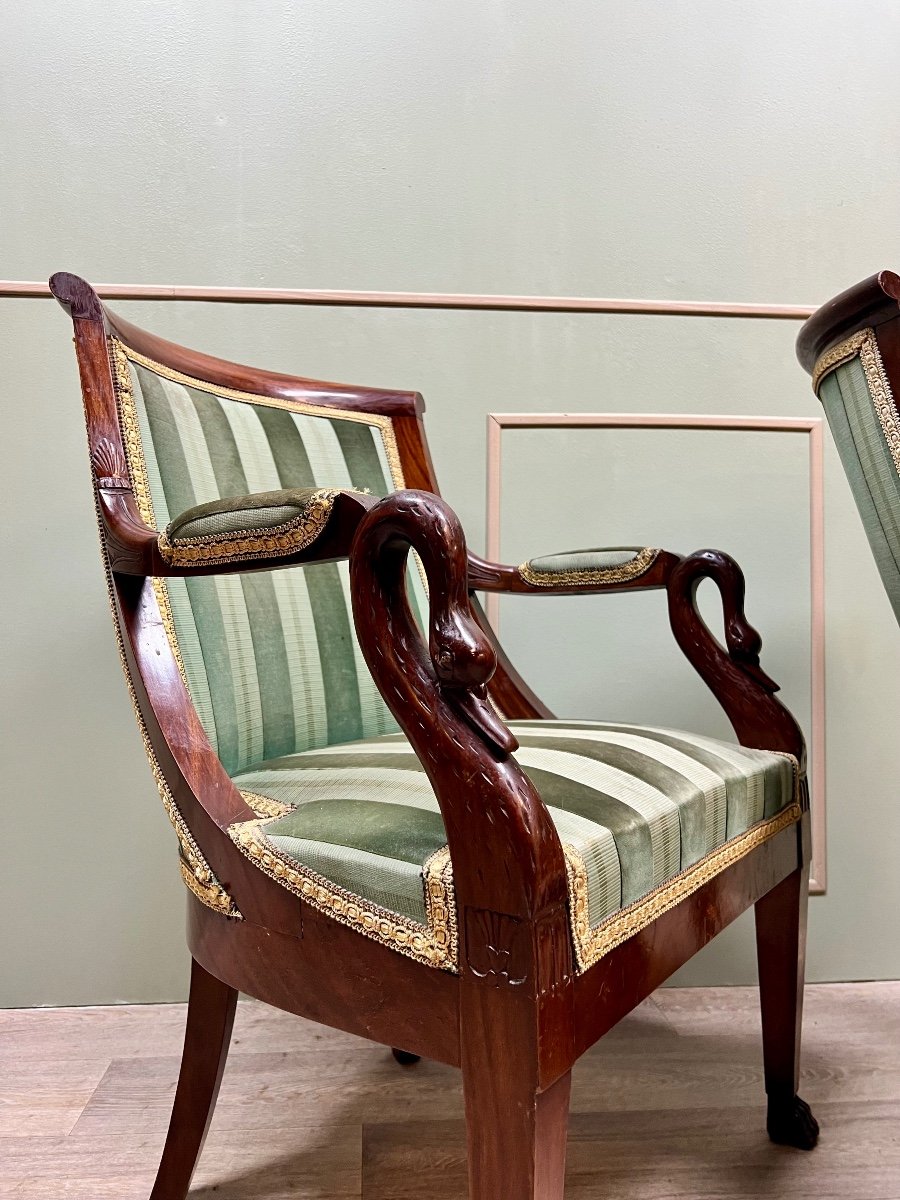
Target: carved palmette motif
<point>497,948</point>
<point>108,462</point>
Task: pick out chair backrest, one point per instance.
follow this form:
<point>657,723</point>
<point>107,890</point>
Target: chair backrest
<point>270,659</point>
<point>851,347</point>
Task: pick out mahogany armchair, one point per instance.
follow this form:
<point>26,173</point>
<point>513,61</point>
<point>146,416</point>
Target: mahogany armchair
<point>385,830</point>
<point>851,348</point>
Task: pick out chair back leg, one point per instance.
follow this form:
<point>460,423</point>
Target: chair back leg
<point>781,953</point>
<point>210,1019</point>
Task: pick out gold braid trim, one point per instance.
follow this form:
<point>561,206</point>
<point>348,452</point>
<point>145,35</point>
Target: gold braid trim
<point>637,566</point>
<point>837,355</point>
<point>265,806</point>
<point>274,541</point>
<point>134,449</point>
<point>882,399</point>
<point>865,344</point>
<point>440,904</point>
<point>131,431</point>
<point>435,945</point>
<point>384,424</point>
<point>592,944</point>
<point>137,469</point>
<point>195,870</point>
<point>194,867</point>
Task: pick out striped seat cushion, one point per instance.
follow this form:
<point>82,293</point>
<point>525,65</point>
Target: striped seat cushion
<point>645,815</point>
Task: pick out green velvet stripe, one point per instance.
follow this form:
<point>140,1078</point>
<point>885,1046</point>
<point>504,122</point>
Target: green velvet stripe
<point>584,560</point>
<point>238,514</point>
<point>271,658</point>
<point>870,469</point>
<point>639,804</point>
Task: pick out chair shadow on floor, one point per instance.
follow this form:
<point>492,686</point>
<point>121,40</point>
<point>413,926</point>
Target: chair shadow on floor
<point>634,1132</point>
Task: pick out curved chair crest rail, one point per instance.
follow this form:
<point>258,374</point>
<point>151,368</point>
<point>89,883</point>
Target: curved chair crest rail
<point>380,826</point>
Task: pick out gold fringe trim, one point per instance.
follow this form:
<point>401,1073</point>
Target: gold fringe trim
<point>435,945</point>
<point>637,566</point>
<point>592,944</point>
<point>274,541</point>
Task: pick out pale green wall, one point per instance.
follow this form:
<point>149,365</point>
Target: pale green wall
<point>718,150</point>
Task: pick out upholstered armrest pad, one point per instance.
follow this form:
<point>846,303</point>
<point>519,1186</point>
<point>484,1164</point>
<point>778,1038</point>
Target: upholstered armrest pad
<point>261,525</point>
<point>616,564</point>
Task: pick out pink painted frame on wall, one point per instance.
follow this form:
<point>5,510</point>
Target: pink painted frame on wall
<point>812,428</point>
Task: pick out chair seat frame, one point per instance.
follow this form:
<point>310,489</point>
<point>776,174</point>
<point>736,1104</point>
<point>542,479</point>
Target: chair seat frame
<point>517,1015</point>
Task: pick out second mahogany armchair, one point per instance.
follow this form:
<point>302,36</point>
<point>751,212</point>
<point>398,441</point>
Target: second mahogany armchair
<point>851,348</point>
<point>380,826</point>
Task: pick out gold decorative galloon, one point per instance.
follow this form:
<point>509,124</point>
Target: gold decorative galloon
<point>865,344</point>
<point>591,944</point>
<point>195,870</point>
<point>274,541</point>
<point>384,424</point>
<point>839,354</point>
<point>265,806</point>
<point>435,944</point>
<point>632,569</point>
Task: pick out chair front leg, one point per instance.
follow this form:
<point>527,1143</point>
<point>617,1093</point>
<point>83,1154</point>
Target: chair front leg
<point>210,1019</point>
<point>781,953</point>
<point>516,1133</point>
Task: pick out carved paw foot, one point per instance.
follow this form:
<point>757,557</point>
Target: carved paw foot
<point>404,1058</point>
<point>791,1123</point>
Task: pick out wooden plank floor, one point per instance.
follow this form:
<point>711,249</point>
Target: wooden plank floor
<point>669,1105</point>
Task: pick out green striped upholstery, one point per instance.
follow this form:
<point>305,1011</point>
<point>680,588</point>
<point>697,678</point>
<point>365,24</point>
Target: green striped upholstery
<point>270,659</point>
<point>859,434</point>
<point>637,806</point>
